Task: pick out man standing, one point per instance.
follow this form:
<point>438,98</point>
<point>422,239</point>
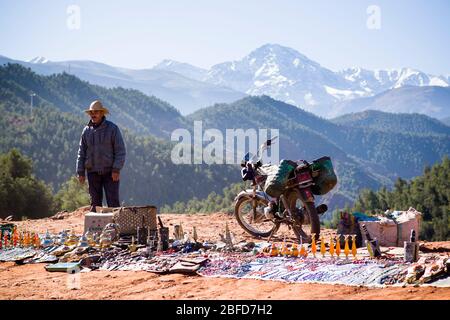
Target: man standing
<point>102,154</point>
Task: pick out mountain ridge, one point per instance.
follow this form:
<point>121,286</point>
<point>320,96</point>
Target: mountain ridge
<point>278,71</point>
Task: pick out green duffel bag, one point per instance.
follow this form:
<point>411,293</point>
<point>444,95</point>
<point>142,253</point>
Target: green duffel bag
<point>276,183</point>
<point>324,176</point>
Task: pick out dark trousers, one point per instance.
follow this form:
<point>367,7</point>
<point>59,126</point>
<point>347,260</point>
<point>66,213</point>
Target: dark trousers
<point>98,182</point>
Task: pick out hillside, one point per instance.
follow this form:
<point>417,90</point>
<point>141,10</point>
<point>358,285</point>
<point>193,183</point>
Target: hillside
<point>394,122</point>
<point>128,108</point>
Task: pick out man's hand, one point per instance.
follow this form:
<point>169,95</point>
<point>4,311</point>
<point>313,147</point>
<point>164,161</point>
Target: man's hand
<point>115,176</point>
<point>82,179</point>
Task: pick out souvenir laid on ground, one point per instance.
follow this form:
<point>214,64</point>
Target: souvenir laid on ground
<point>188,265</point>
<point>322,261</point>
<point>16,254</point>
<point>70,267</point>
<point>95,222</point>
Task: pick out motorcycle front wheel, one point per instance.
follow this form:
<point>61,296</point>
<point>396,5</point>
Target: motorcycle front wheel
<point>253,220</point>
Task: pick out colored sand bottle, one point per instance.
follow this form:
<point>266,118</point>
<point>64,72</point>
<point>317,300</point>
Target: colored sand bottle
<point>313,244</point>
<point>331,246</point>
<point>303,252</point>
<point>338,245</point>
<point>323,250</point>
<point>15,237</point>
<point>37,240</point>
<point>354,245</point>
<point>346,248</point>
<point>26,239</point>
<point>5,240</point>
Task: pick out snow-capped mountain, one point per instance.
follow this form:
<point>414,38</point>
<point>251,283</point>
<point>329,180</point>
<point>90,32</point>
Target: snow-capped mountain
<point>282,73</point>
<point>380,80</point>
<point>185,69</point>
<point>274,70</point>
<point>285,74</point>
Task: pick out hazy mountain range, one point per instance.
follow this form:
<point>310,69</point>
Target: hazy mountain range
<point>274,70</point>
<point>185,93</point>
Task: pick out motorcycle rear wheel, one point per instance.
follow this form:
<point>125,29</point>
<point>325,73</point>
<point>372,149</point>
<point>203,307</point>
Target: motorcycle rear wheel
<point>311,221</point>
<point>262,227</point>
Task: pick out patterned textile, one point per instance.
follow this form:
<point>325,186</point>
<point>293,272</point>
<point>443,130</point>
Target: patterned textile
<point>331,271</point>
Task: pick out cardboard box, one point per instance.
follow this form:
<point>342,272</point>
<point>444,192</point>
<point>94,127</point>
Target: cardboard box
<point>95,222</point>
<point>394,232</point>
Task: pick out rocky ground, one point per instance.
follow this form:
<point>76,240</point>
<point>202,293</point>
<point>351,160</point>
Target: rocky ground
<point>33,282</point>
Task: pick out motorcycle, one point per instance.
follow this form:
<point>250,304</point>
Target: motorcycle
<point>261,215</point>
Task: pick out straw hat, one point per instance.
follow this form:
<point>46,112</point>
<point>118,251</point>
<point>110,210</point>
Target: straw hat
<point>96,105</point>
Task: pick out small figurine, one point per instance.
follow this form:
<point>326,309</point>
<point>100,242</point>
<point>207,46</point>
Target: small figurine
<point>47,241</point>
<point>63,237</point>
<point>274,250</point>
<point>83,243</point>
<point>132,247</point>
<point>294,250</point>
<point>73,239</point>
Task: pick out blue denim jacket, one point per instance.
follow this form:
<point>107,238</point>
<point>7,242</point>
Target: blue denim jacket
<point>101,149</point>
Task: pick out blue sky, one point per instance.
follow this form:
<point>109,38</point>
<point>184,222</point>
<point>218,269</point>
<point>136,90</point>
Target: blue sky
<point>139,34</point>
